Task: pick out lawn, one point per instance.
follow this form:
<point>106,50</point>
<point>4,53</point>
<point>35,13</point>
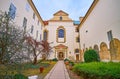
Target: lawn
<point>98,70</point>
<point>26,69</point>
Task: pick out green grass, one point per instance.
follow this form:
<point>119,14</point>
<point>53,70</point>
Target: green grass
<point>34,69</point>
<point>98,70</point>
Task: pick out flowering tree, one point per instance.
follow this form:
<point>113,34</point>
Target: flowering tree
<point>12,41</point>
<point>47,49</point>
<point>16,46</point>
<point>42,47</point>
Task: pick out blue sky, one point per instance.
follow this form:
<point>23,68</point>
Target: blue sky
<point>75,8</point>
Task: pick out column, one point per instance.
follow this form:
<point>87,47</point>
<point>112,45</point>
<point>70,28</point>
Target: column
<point>55,53</point>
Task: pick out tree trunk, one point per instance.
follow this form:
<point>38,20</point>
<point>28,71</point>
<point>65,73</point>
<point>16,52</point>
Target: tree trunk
<point>35,60</point>
<point>35,56</point>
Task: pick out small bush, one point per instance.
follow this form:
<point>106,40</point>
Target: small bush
<point>66,60</point>
<point>91,56</point>
<point>20,76</point>
<point>71,63</point>
<point>55,59</point>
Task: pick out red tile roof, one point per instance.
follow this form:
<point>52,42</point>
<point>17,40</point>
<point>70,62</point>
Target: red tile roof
<point>45,23</point>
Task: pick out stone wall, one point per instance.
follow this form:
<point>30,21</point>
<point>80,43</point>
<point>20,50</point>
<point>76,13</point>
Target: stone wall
<point>106,54</point>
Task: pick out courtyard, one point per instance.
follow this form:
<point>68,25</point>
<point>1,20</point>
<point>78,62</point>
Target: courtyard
<point>63,39</point>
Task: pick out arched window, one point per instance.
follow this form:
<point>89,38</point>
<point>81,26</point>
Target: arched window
<point>76,50</point>
<point>60,18</point>
<point>45,34</point>
<point>60,33</point>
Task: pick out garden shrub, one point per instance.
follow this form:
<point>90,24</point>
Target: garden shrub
<point>71,63</point>
<point>66,60</point>
<point>20,76</point>
<point>91,56</point>
<point>54,59</point>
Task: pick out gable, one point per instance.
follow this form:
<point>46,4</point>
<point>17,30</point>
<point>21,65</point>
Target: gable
<point>61,16</point>
<point>60,13</point>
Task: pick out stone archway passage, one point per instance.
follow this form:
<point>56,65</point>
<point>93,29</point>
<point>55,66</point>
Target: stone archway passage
<point>115,49</point>
<point>104,52</point>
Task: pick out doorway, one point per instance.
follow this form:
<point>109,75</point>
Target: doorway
<point>61,56</point>
<point>77,57</point>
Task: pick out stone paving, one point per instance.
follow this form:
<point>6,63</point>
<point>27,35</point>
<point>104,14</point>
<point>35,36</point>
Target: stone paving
<point>33,77</point>
<point>59,71</point>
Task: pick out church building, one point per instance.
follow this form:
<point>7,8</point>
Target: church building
<point>63,34</point>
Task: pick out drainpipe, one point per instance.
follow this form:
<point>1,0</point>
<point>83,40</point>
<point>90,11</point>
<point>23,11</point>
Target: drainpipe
<point>79,46</point>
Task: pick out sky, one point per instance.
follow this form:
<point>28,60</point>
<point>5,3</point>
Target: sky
<point>75,8</point>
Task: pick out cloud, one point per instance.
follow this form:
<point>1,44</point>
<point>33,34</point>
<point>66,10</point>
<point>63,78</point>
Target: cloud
<point>75,8</point>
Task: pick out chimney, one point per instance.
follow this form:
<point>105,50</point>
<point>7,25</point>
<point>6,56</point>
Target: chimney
<point>81,18</point>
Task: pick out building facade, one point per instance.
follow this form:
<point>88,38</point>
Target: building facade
<point>100,29</point>
<point>62,32</point>
<point>25,15</point>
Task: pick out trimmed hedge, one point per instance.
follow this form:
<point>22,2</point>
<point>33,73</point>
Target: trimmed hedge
<point>98,70</point>
<point>91,56</point>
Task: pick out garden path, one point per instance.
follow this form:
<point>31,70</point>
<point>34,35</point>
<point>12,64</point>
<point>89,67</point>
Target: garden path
<point>59,71</point>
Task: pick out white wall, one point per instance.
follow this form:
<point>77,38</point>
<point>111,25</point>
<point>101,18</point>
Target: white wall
<point>70,36</point>
<point>104,17</point>
<point>21,12</point>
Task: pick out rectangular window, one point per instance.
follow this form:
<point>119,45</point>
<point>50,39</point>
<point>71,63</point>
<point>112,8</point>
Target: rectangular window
<point>32,27</point>
<point>12,11</point>
<point>24,23</point>
<point>40,36</point>
<point>76,29</point>
<point>38,22</point>
<point>34,16</point>
<point>84,46</point>
<point>27,7</point>
<point>109,34</point>
<point>77,39</point>
<point>36,34</point>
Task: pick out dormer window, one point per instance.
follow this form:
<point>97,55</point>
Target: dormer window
<point>60,18</point>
